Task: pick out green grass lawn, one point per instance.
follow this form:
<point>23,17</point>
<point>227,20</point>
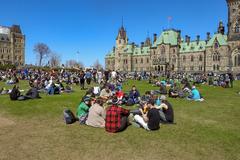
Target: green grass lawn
<point>208,130</point>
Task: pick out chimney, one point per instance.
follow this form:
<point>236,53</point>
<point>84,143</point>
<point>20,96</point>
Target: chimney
<point>179,37</point>
<point>154,37</point>
<point>142,44</point>
<point>198,39</point>
<point>186,38</point>
<point>208,36</point>
<point>133,46</point>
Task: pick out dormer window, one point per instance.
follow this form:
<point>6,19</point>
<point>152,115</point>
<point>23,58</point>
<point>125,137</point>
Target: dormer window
<point>216,45</point>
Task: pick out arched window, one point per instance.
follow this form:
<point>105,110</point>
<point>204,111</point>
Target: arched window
<point>147,60</point>
<point>218,57</point>
<point>235,61</point>
<point>136,61</point>
<point>238,64</point>
<point>174,59</point>
<point>216,45</point>
<point>200,58</point>
<point>162,50</point>
<point>218,67</point>
<point>184,58</point>
<point>214,67</point>
<point>141,60</point>
<point>192,58</point>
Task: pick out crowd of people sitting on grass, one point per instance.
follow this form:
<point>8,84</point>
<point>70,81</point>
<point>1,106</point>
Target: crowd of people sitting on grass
<point>105,109</point>
<point>104,102</point>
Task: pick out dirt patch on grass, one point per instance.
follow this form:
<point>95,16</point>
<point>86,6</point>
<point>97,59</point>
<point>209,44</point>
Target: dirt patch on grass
<point>4,122</point>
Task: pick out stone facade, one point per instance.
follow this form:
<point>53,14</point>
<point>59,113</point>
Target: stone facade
<point>170,52</point>
<point>12,45</point>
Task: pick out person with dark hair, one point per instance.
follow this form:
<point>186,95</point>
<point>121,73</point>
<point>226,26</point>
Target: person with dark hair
<point>116,117</point>
<point>88,76</point>
<point>82,110</point>
<point>15,93</point>
<point>134,96</point>
<point>96,115</point>
<point>166,111</point>
<point>82,79</point>
<point>151,119</point>
<point>231,79</point>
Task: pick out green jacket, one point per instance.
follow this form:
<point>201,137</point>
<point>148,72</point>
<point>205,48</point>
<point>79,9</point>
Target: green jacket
<point>82,109</point>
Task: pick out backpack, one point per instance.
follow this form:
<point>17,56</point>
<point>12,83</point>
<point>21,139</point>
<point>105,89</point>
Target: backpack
<point>69,117</point>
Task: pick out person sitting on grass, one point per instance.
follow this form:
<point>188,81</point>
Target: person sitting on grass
<point>163,89</point>
<point>82,110</point>
<point>96,115</point>
<point>151,119</point>
<point>195,95</point>
<point>173,92</point>
<point>15,93</point>
<point>120,95</point>
<point>165,111</point>
<point>106,93</point>
<point>116,117</point>
<point>134,96</point>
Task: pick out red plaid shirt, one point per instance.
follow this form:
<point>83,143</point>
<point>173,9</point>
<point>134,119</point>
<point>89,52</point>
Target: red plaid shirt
<point>113,118</point>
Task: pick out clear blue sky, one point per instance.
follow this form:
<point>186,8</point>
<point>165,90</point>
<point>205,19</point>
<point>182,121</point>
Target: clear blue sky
<point>91,26</point>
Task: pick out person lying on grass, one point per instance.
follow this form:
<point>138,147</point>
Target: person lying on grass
<point>151,119</point>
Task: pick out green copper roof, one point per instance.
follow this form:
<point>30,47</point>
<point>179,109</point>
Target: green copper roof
<point>128,49</point>
<point>110,54</point>
<point>141,51</point>
<point>167,37</point>
<point>192,47</point>
<point>221,39</point>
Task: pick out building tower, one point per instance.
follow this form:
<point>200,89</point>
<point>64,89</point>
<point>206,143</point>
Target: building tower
<point>122,38</point>
<point>233,20</point>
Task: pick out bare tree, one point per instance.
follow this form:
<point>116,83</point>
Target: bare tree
<point>42,51</point>
<point>54,60</point>
<point>97,65</point>
<point>74,64</point>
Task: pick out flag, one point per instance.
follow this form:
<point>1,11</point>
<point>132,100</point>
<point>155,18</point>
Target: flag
<point>169,18</point>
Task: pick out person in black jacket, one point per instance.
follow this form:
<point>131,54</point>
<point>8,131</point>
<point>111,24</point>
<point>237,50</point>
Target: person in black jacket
<point>15,93</point>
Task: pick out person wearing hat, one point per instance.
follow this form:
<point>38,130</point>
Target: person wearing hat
<point>83,108</point>
<point>151,119</point>
<point>116,117</point>
<point>165,110</point>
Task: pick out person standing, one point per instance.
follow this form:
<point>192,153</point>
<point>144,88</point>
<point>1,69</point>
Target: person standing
<point>82,79</point>
<point>231,79</point>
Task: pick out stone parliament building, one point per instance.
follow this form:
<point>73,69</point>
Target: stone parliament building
<point>169,52</point>
<point>12,45</point>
